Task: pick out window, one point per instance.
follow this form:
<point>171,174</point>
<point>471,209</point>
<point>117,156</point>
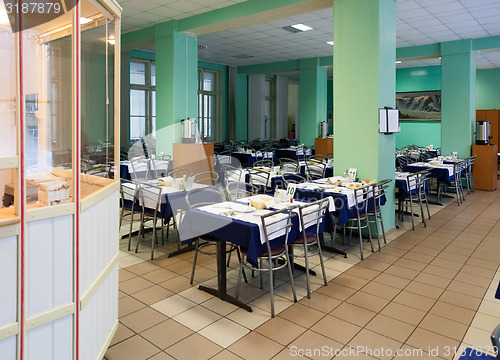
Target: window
<point>142,99</point>
<point>270,109</point>
<point>209,104</point>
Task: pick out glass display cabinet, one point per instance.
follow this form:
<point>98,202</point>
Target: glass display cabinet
<point>59,185</point>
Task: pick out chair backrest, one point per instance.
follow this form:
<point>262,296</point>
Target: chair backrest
<point>178,173</point>
<point>240,189</point>
<point>128,192</point>
<point>412,182</point>
<point>232,173</point>
<point>224,157</point>
<point>315,168</point>
<point>301,153</point>
<point>140,168</point>
<point>149,197</point>
<point>458,169</point>
<point>312,214</point>
<point>293,178</point>
<point>206,178</point>
<point>277,223</point>
<point>263,163</point>
<point>361,197</point>
<point>159,165</point>
<point>204,196</point>
<point>289,165</point>
<point>259,177</point>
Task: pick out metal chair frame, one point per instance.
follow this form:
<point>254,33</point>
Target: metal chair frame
<point>378,190</point>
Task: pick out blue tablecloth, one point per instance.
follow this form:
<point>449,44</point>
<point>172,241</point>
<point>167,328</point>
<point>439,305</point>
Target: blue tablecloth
<point>247,160</point>
<point>440,174</point>
<point>238,232</point>
<point>124,173</point>
<point>343,212</point>
<point>276,182</point>
<point>403,189</point>
<point>328,170</point>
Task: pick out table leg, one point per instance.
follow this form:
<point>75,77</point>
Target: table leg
<point>182,250</point>
<point>221,291</point>
<point>330,248</point>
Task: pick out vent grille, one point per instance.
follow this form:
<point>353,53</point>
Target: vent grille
<point>243,56</point>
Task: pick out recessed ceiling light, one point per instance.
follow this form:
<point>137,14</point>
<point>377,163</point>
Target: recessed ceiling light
<point>302,27</point>
<point>243,56</point>
<point>202,47</point>
<point>398,61</point>
<point>84,20</point>
<point>111,41</point>
<point>330,43</point>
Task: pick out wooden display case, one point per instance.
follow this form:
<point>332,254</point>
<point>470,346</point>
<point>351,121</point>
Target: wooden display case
<point>197,157</point>
<point>493,116</point>
<point>484,171</point>
<point>323,146</point>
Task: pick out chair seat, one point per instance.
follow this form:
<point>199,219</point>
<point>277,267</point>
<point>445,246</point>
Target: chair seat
<point>309,239</point>
<point>208,238</point>
<point>372,211</point>
<point>278,250</point>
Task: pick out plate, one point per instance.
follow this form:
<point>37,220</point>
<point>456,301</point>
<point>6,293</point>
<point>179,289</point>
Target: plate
<point>242,208</point>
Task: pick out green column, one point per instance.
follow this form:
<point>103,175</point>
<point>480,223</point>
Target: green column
<point>176,83</point>
<point>458,101</point>
<point>241,100</point>
<point>312,99</point>
<point>363,81</point>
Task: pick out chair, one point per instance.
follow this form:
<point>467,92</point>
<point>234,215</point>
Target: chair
<point>276,225</point>
<point>197,198</point>
<point>177,173</point>
<point>150,202</point>
<point>128,204</point>
<point>456,184</point>
<point>417,194</point>
<point>260,178</point>
<point>292,179</point>
<point>159,165</point>
<point>239,189</point>
<point>289,165</point>
<point>360,220</point>
<point>224,157</point>
<point>311,215</point>
<point>316,167</point>
<point>301,153</point>
<point>140,168</point>
<point>468,174</point>
<point>206,178</point>
<point>266,163</point>
<point>378,190</point>
<point>100,170</point>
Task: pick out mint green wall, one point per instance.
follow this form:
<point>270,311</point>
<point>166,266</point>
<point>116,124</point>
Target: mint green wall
<point>421,133</point>
<point>224,93</point>
<point>488,89</point>
<point>241,104</point>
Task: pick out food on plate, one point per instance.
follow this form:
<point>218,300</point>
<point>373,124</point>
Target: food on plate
<point>258,204</point>
<point>368,181</point>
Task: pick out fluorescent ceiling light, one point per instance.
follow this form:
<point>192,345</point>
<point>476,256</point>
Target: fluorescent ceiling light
<point>330,43</point>
<point>398,61</point>
<point>111,41</point>
<point>84,20</point>
<point>302,27</point>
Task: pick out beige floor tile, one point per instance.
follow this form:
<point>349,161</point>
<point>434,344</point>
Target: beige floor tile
<point>403,313</point>
<point>195,295</point>
<point>161,356</point>
<point>467,289</point>
<point>490,308</point>
<point>134,348</point>
<point>429,291</point>
<point>368,301</point>
<point>194,347</point>
<point>159,275</point>
<point>250,320</point>
<point>264,303</point>
<point>363,272</point>
<point>180,267</point>
<point>220,307</point>
<point>302,315</point>
<point>353,314</point>
<point>452,312</point>
<point>400,271</point>
<point>452,265</point>
<point>440,271</point>
<point>166,333</point>
<point>418,256</point>
<point>445,327</point>
<point>433,279</point>
<point>143,319</point>
<point>350,281</point>
<point>122,333</point>
<point>477,337</point>
<point>392,328</point>
<point>349,353</point>
<point>336,291</point>
<point>375,264</point>
<point>373,341</point>
<point>320,302</point>
<point>381,290</point>
<point>384,258</point>
<point>197,318</point>
<point>473,279</point>
<point>142,268</point>
<point>427,340</point>
<point>334,264</point>
<point>415,301</point>
<point>127,305</point>
<point>410,353</point>
<point>459,299</point>
<point>173,305</point>
<point>392,280</point>
<point>226,355</point>
<point>254,346</point>
<point>336,329</point>
<point>176,284</point>
<point>152,294</point>
<point>129,260</point>
<point>312,343</point>
<point>485,322</point>
<point>224,332</point>
<point>280,330</point>
<point>134,285</point>
<point>410,264</point>
<point>125,275</point>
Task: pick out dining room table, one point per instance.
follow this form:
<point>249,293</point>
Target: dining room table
<point>248,158</point>
<point>237,223</point>
<point>442,172</point>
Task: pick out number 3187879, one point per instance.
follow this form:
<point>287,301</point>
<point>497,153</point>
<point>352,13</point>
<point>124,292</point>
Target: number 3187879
<point>33,7</point>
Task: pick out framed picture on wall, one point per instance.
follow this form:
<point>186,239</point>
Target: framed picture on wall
<point>419,105</point>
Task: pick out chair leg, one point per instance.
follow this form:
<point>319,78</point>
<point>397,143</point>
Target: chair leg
<point>291,276</point>
<point>228,259</point>
<point>271,285</point>
<point>196,246</point>
<point>369,232</point>
<point>239,262</point>
<point>121,215</point>
<point>376,228</point>
<point>153,241</point>
<point>427,205</point>
<point>308,279</point>
<point>139,234</point>
<point>239,281</point>
<point>320,253</point>
<point>360,240</point>
<point>382,226</point>
<point>260,273</point>
<point>412,221</point>
<point>456,190</point>
<point>422,211</point>
<point>130,229</point>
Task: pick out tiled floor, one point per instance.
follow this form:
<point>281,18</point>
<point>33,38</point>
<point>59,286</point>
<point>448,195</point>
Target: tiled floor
<point>426,293</point>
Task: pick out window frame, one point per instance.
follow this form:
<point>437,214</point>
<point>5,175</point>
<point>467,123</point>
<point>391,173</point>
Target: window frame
<point>217,94</point>
<point>148,88</point>
<point>271,98</point>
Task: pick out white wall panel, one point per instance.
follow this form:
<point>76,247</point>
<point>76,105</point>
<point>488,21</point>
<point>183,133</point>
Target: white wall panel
<point>49,266</point>
<point>98,240</point>
<point>8,348</point>
<point>98,317</point>
<point>53,341</point>
<point>256,106</point>
<point>8,280</point>
<point>281,107</point>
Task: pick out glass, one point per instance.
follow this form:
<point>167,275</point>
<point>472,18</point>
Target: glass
<point>208,81</point>
<point>153,74</point>
<point>268,88</point>
<point>8,89</point>
<point>8,184</point>
<point>138,73</point>
<point>97,105</point>
<point>48,90</point>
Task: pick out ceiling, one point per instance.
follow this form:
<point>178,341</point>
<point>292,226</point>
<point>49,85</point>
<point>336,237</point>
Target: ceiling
<point>419,22</point>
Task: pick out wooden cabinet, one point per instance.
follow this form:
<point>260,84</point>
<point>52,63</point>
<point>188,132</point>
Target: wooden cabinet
<point>197,157</point>
<point>323,146</point>
<point>493,116</point>
<point>484,171</point>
